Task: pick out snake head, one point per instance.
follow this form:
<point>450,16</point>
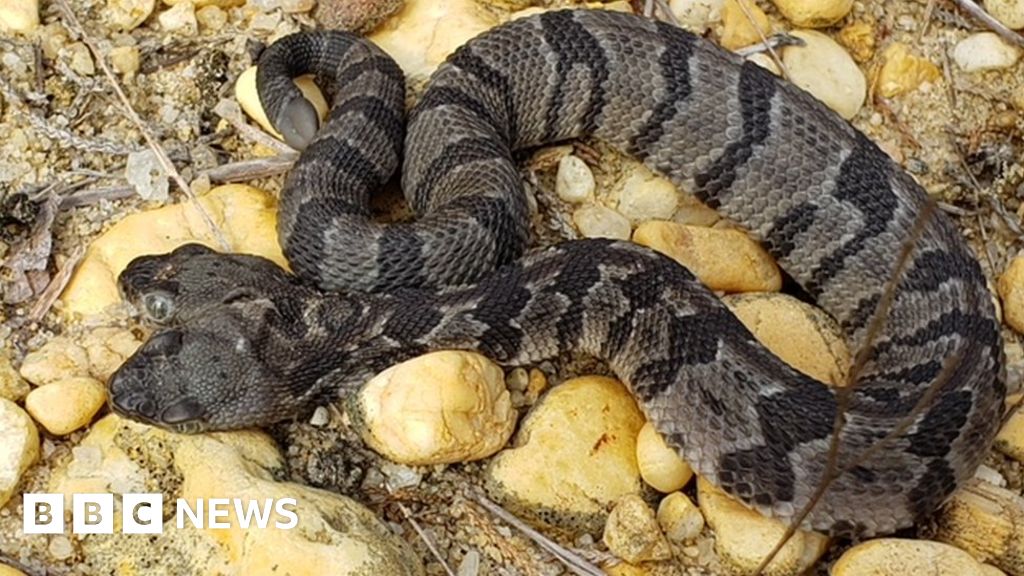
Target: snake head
<point>169,289</point>
<point>216,371</point>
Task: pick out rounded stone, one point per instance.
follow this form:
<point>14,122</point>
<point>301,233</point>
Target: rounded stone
<point>66,405</point>
<point>680,519</point>
<point>1010,288</point>
<point>1009,12</point>
<point>20,16</point>
<point>988,522</point>
<point>597,221</point>
<point>58,359</point>
<point>439,408</point>
<point>898,556</point>
<point>574,181</point>
<point>632,532</point>
<point>741,28</point>
<point>660,466</point>
<point>903,71</point>
<point>814,13</point>
<point>823,68</point>
<point>19,449</point>
<point>985,51</point>
<point>647,196</point>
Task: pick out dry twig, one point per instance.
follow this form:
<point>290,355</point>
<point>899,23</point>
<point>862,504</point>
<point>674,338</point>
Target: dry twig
<point>165,162</point>
<point>994,25</point>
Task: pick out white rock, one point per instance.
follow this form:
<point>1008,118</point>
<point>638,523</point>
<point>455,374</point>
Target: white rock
<point>180,18</point>
<point>12,386</point>
<point>574,182</point>
<point>129,14</point>
<point>632,532</point>
<point>596,221</point>
<point>437,408</point>
<point>58,359</point>
<point>898,556</point>
<point>679,517</point>
<point>1009,12</point>
<point>827,71</point>
<point>144,172</point>
<point>19,449</point>
<point>984,51</point>
<point>647,196</point>
<point>19,15</point>
<point>814,13</point>
<point>697,15</point>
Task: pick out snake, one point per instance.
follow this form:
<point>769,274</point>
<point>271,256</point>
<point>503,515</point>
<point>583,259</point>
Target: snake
<point>240,342</point>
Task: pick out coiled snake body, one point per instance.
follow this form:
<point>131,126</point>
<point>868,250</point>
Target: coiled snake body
<point>248,344</point>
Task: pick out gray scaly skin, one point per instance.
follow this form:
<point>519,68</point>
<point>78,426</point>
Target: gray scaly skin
<point>246,344</point>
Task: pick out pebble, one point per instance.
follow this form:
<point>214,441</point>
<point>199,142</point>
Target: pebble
<point>145,173</point>
<point>20,16</point>
<point>898,556</point>
<point>738,31</point>
<point>660,466</point>
<point>125,60</point>
<point>107,348</point>
<point>859,39</point>
<point>66,405</point>
<point>632,532</point>
<point>81,59</point>
<point>903,72</point>
<point>800,334</point>
<point>823,68</point>
<point>1010,440</point>
<point>211,18</point>
<point>597,221</point>
<point>180,18</point>
<point>680,519</point>
<point>814,13</point>
<point>574,182</point>
<point>332,530</point>
<point>6,570</point>
<point>1010,288</point>
<point>988,522</point>
<point>58,359</point>
<point>744,538</point>
<point>697,16</point>
<point>647,196</point>
<point>574,455</point>
<point>129,14</point>
<point>246,216</point>
<point>723,259</point>
<point>438,408</point>
<point>985,51</point>
<point>12,386</point>
<point>693,212</point>
<point>1009,12</point>
<point>249,99</point>
<point>19,449</point>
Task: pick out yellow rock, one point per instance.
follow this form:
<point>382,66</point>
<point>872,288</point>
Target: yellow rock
<point>738,30</point>
<point>574,455</point>
<point>988,522</point>
<point>679,517</point>
<point>744,538</point>
<point>19,449</point>
<point>125,59</point>
<point>1011,290</point>
<point>823,68</point>
<point>6,570</point>
<point>439,408</point>
<point>12,386</point>
<point>121,456</point>
<point>902,71</point>
<point>660,466</point>
<point>800,334</point>
<point>246,216</point>
<point>1009,12</point>
<point>19,15</point>
<point>632,532</point>
<point>647,196</point>
<point>424,32</point>
<point>814,13</point>
<point>58,359</point>
<point>726,260</point>
<point>859,39</point>
<point>249,100</point>
<point>897,556</point>
<point>129,14</point>
<point>1010,440</point>
<point>66,405</point>
<point>107,348</point>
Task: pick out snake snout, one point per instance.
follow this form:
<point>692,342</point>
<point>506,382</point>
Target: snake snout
<point>137,404</point>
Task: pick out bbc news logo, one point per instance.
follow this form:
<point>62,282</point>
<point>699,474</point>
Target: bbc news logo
<point>143,513</point>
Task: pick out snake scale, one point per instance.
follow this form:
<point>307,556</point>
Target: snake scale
<point>247,344</point>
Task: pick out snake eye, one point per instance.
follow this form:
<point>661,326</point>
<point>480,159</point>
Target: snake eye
<point>158,306</point>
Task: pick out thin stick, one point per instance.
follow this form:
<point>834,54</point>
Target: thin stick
<point>161,154</point>
<point>425,537</point>
<point>764,39</point>
<point>250,169</point>
<point>994,25</point>
<point>574,562</point>
<point>230,111</point>
<point>56,286</point>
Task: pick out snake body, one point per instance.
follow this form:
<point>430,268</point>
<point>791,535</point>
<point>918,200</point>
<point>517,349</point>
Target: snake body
<point>248,344</point>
